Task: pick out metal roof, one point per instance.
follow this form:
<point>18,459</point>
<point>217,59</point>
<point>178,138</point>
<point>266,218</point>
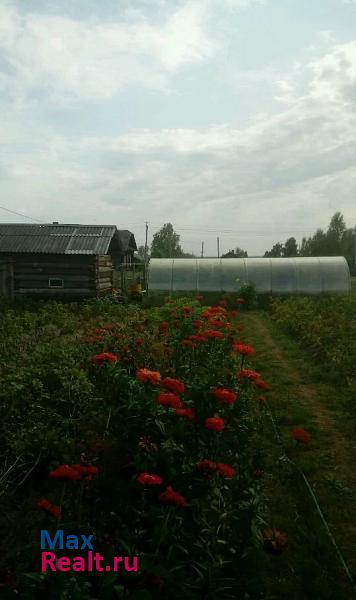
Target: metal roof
<point>62,239</point>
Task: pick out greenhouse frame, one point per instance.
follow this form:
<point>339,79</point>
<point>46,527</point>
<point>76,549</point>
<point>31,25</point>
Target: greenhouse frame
<point>307,275</point>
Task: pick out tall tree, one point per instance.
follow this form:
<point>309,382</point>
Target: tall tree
<point>290,247</point>
<point>165,243</point>
<point>237,253</point>
<point>336,230</point>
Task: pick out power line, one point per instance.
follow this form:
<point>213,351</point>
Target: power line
<point>14,212</point>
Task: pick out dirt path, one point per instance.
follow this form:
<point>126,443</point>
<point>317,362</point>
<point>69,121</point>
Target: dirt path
<point>300,397</point>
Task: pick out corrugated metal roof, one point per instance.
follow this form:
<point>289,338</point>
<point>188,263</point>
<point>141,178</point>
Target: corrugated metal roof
<point>62,239</point>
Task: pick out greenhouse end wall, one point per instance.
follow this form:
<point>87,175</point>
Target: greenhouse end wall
<point>314,275</point>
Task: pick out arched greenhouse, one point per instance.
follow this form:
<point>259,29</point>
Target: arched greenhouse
<point>312,275</point>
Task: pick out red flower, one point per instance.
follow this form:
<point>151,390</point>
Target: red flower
<point>214,423</point>
<point>49,508</point>
<point>187,413</point>
<point>163,327</point>
<point>243,349</point>
<point>263,385</point>
<point>249,374</point>
<point>197,323</point>
<point>213,311</point>
<point>211,333</point>
<point>225,470</point>
<point>300,435</point>
<point>174,385</point>
<point>187,309</point>
<point>223,303</point>
<point>187,343</point>
<point>199,297</point>
<point>206,466</point>
<point>86,471</point>
<point>169,400</point>
<point>65,473</point>
<point>224,395</point>
<point>104,357</point>
<point>147,376</point>
<point>140,342</point>
<point>149,479</point>
<point>169,496</point>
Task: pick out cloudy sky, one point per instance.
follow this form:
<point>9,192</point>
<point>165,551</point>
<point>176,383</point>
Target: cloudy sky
<point>234,118</point>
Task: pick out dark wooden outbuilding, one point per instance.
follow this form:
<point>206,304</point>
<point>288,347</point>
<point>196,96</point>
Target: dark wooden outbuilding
<point>62,260</point>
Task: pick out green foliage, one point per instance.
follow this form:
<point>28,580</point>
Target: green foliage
<point>248,292</point>
<point>235,253</point>
<point>165,243</point>
<point>60,407</point>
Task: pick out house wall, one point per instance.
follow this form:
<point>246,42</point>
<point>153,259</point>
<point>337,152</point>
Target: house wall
<point>31,274</point>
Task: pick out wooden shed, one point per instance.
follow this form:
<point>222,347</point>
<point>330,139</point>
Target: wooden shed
<point>54,260</point>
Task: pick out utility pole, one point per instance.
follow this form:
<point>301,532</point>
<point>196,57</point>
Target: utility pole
<point>202,249</point>
<point>145,257</point>
<point>218,243</point>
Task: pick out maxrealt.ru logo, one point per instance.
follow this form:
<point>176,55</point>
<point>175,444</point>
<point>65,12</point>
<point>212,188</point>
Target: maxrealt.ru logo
<point>90,561</point>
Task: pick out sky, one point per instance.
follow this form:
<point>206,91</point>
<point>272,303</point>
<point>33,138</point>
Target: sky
<point>229,118</point>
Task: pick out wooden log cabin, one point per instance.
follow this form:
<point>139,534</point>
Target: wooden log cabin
<point>55,260</point>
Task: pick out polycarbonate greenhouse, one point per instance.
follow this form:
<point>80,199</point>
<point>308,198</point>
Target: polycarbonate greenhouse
<point>314,275</point>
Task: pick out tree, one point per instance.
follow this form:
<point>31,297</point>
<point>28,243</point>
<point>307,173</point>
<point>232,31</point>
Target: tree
<point>276,252</point>
<point>141,251</point>
<point>237,253</point>
<point>336,230</point>
<point>165,243</point>
<point>290,247</point>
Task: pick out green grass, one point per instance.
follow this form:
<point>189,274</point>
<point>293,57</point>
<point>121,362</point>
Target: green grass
<point>301,396</point>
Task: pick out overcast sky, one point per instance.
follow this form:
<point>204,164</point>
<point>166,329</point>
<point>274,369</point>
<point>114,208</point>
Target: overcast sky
<point>224,117</point>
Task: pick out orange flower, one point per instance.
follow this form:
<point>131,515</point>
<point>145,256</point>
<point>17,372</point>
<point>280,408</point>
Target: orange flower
<point>214,423</point>
<point>49,508</point>
<point>147,376</point>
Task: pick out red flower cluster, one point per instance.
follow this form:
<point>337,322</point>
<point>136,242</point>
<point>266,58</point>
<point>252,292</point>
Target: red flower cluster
<point>214,423</point>
<point>104,358</point>
<point>163,327</point>
<point>186,343</point>
<point>187,309</point>
<point>225,470</point>
<point>140,342</point>
<point>206,466</point>
<point>169,496</point>
<point>213,311</point>
<point>174,385</point>
<point>224,395</point>
<point>149,479</point>
<point>147,376</point>
<point>169,400</point>
<point>74,472</point>
<point>243,349</point>
<point>300,435</point>
<point>187,413</point>
<point>49,508</point>
<point>197,323</point>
